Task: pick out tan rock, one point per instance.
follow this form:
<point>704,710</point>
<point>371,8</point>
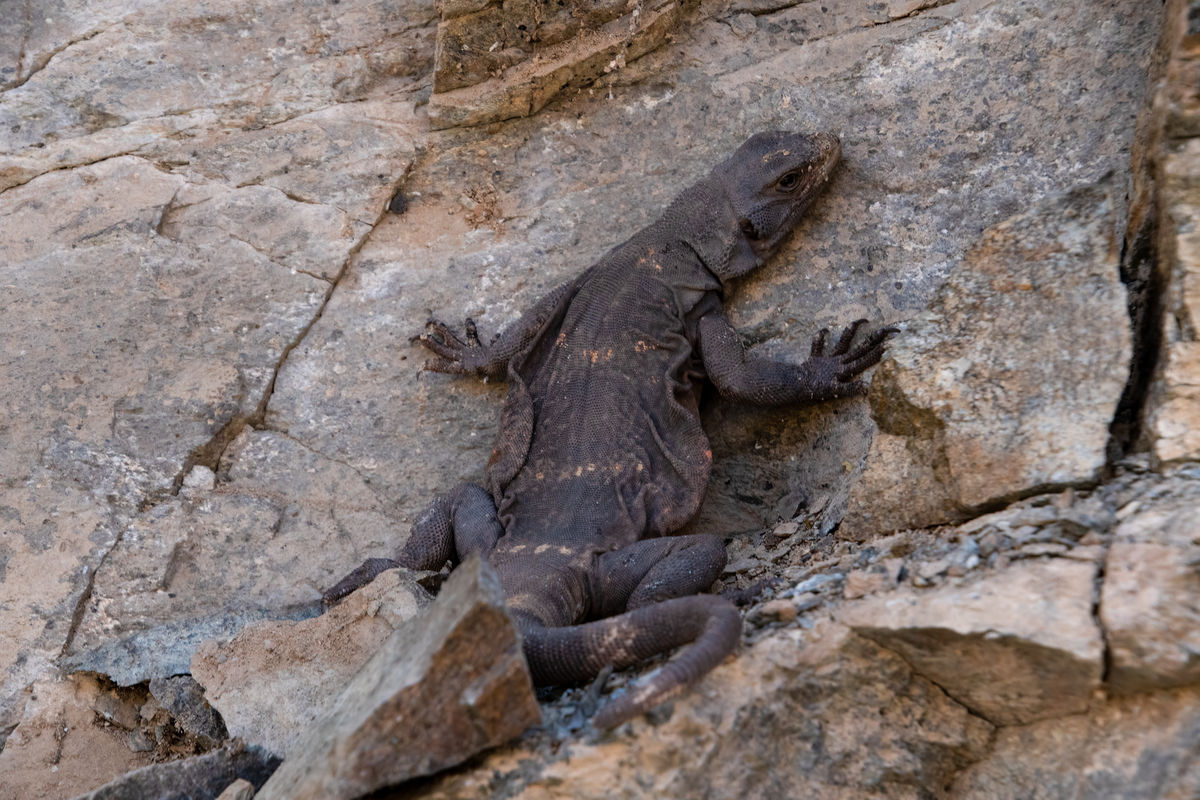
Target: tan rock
<point>1175,412</point>
<point>274,679</point>
<point>58,751</point>
<point>1137,747</point>
<point>1150,599</point>
<point>441,688</point>
<point>1013,646</point>
<point>238,790</point>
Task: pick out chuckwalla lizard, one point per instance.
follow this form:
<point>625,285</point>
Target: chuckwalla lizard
<point>600,453</point>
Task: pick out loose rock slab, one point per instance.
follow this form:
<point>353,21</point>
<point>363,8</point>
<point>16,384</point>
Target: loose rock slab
<point>439,690</point>
<point>275,679</point>
<point>1018,646</point>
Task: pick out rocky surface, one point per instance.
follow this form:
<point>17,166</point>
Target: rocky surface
<point>211,410</point>
<point>1014,647</point>
<point>438,690</point>
<point>202,777</point>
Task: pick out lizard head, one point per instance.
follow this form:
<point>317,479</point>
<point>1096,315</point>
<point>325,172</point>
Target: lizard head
<point>770,181</point>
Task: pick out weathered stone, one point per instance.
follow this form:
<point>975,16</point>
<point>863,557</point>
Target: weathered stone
<point>1175,415</point>
<point>204,565</point>
<point>494,41</point>
<point>876,578</point>
<point>202,777</point>
<point>1137,747</point>
<point>1018,646</point>
<point>477,40</point>
<point>1010,380</point>
<point>817,712</point>
<point>140,327</point>
<point>274,679</point>
<point>441,688</point>
<point>1150,599</point>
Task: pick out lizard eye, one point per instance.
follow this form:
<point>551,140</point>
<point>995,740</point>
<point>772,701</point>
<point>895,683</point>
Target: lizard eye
<point>788,182</point>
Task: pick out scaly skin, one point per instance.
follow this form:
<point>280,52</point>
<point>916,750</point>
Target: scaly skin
<point>601,455</point>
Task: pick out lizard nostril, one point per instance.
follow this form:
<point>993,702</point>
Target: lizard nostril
<point>748,228</point>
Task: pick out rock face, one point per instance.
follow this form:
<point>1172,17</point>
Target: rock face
<point>439,689</point>
<point>1150,602</point>
<point>814,707</point>
<point>1174,407</point>
<point>210,410</point>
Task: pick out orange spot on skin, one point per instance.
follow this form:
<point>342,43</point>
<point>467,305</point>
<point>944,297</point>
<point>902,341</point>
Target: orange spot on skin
<point>708,455</point>
<point>561,340</point>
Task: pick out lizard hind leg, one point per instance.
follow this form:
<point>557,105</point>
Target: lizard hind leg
<point>708,625</point>
<point>454,525</point>
<point>651,586</point>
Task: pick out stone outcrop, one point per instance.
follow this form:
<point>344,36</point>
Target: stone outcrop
<point>221,223</point>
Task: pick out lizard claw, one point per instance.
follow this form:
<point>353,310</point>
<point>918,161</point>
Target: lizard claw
<point>847,337</point>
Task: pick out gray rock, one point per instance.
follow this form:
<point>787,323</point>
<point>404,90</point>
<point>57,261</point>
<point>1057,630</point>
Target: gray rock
<point>440,689</point>
<point>201,777</point>
<point>184,700</point>
<point>167,649</point>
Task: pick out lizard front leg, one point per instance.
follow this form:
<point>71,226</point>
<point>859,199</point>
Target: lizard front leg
<point>454,525</point>
<point>472,357</point>
<point>823,376</point>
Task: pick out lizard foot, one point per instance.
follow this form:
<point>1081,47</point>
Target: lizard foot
<point>453,354</point>
<point>835,374</point>
<point>357,579</point>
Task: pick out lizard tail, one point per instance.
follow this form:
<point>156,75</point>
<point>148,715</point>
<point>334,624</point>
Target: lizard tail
<point>707,624</point>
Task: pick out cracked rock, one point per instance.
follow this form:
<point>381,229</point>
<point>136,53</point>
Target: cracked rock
<point>819,711</point>
<point>442,687</point>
